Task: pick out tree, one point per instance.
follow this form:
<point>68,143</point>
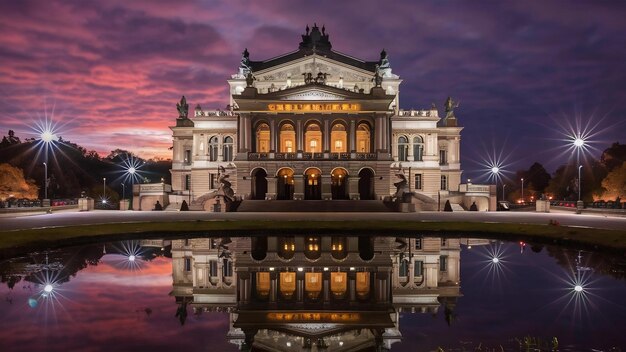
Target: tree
<point>14,185</point>
<point>614,156</point>
<point>614,184</point>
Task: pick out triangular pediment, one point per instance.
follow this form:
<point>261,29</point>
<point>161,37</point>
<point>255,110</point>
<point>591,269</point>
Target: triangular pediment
<point>314,92</point>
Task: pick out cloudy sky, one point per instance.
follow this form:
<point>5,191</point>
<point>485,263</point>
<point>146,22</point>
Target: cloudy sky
<point>112,71</point>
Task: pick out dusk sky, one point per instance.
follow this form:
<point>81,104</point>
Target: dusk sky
<point>114,70</point>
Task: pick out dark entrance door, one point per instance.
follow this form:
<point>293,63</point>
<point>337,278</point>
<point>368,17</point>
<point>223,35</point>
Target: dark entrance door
<point>284,184</point>
<point>259,184</point>
<point>313,184</point>
<point>338,181</point>
<point>366,184</point>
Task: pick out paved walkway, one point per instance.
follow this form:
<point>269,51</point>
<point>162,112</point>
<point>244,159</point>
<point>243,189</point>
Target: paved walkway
<point>111,216</point>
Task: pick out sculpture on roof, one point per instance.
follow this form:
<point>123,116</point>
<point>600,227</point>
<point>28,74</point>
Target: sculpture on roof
<point>450,105</point>
<point>384,60</point>
<point>183,108</point>
<point>378,78</point>
<point>250,80</point>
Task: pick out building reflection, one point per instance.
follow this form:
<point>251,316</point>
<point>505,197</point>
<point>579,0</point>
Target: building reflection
<point>316,292</point>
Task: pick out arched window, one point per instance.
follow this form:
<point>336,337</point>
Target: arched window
<point>263,138</point>
<point>418,148</point>
<point>444,183</point>
<point>313,138</point>
<point>213,145</point>
<point>363,138</point>
<point>403,148</point>
<point>339,138</point>
<point>287,138</point>
<point>228,148</point>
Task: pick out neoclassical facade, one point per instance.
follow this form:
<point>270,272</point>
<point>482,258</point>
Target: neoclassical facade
<point>316,124</point>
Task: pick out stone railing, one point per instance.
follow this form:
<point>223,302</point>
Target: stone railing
<point>312,156</point>
<point>417,113</point>
<point>203,113</point>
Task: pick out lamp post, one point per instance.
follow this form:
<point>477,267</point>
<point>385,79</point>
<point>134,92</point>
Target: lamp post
<point>503,185</point>
<point>579,143</point>
<point>496,172</point>
<point>131,171</point>
<point>47,137</point>
<point>104,186</point>
<point>523,201</point>
<point>45,180</point>
<point>123,191</point>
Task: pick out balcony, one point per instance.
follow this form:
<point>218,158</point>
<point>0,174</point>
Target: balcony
<point>312,156</point>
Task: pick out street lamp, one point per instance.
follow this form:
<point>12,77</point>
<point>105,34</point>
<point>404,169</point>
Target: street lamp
<point>523,191</point>
<point>503,185</point>
<point>104,194</point>
<point>123,191</point>
<point>579,143</point>
<point>45,180</point>
<point>495,170</point>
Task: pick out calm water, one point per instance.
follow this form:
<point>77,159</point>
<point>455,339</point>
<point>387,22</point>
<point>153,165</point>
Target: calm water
<point>321,293</point>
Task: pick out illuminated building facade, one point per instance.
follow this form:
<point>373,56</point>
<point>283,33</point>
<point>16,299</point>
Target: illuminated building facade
<point>317,124</point>
<point>316,292</point>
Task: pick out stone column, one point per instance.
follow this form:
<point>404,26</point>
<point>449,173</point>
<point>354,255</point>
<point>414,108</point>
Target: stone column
<point>271,187</point>
<point>326,136</point>
<point>352,286</point>
<point>352,136</point>
<point>273,148</point>
<point>353,187</point>
<point>273,287</point>
<point>326,193</point>
<point>298,187</point>
<point>299,286</point>
<point>326,286</point>
<point>299,136</point>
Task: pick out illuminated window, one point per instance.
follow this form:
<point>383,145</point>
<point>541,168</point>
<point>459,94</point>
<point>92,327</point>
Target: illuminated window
<point>313,138</point>
<point>363,138</point>
<point>287,136</point>
<point>339,138</point>
<point>262,138</point>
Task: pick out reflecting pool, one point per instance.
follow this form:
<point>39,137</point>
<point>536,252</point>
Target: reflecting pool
<point>313,293</point>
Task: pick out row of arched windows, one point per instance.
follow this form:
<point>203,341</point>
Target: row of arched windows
<point>214,145</point>
<point>313,138</point>
<point>404,145</point>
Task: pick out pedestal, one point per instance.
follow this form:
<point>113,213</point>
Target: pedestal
<point>45,203</point>
<point>579,206</point>
<point>85,204</point>
<point>124,204</point>
<point>542,206</point>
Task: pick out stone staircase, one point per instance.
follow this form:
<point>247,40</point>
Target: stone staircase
<point>456,207</point>
<point>302,206</point>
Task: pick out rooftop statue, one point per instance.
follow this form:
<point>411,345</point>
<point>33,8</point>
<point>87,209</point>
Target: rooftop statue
<point>450,105</point>
<point>378,78</point>
<point>384,60</point>
<point>250,80</point>
<point>245,60</point>
<point>183,108</point>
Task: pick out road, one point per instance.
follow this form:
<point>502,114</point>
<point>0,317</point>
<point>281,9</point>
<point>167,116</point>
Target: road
<point>111,216</point>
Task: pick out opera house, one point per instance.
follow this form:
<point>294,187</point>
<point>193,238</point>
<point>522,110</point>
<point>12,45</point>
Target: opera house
<point>317,124</point>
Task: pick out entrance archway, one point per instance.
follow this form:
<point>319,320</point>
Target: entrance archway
<point>338,179</point>
<point>284,184</point>
<point>259,184</point>
<point>366,184</point>
<point>313,184</point>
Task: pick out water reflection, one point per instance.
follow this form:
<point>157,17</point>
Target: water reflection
<point>315,293</point>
